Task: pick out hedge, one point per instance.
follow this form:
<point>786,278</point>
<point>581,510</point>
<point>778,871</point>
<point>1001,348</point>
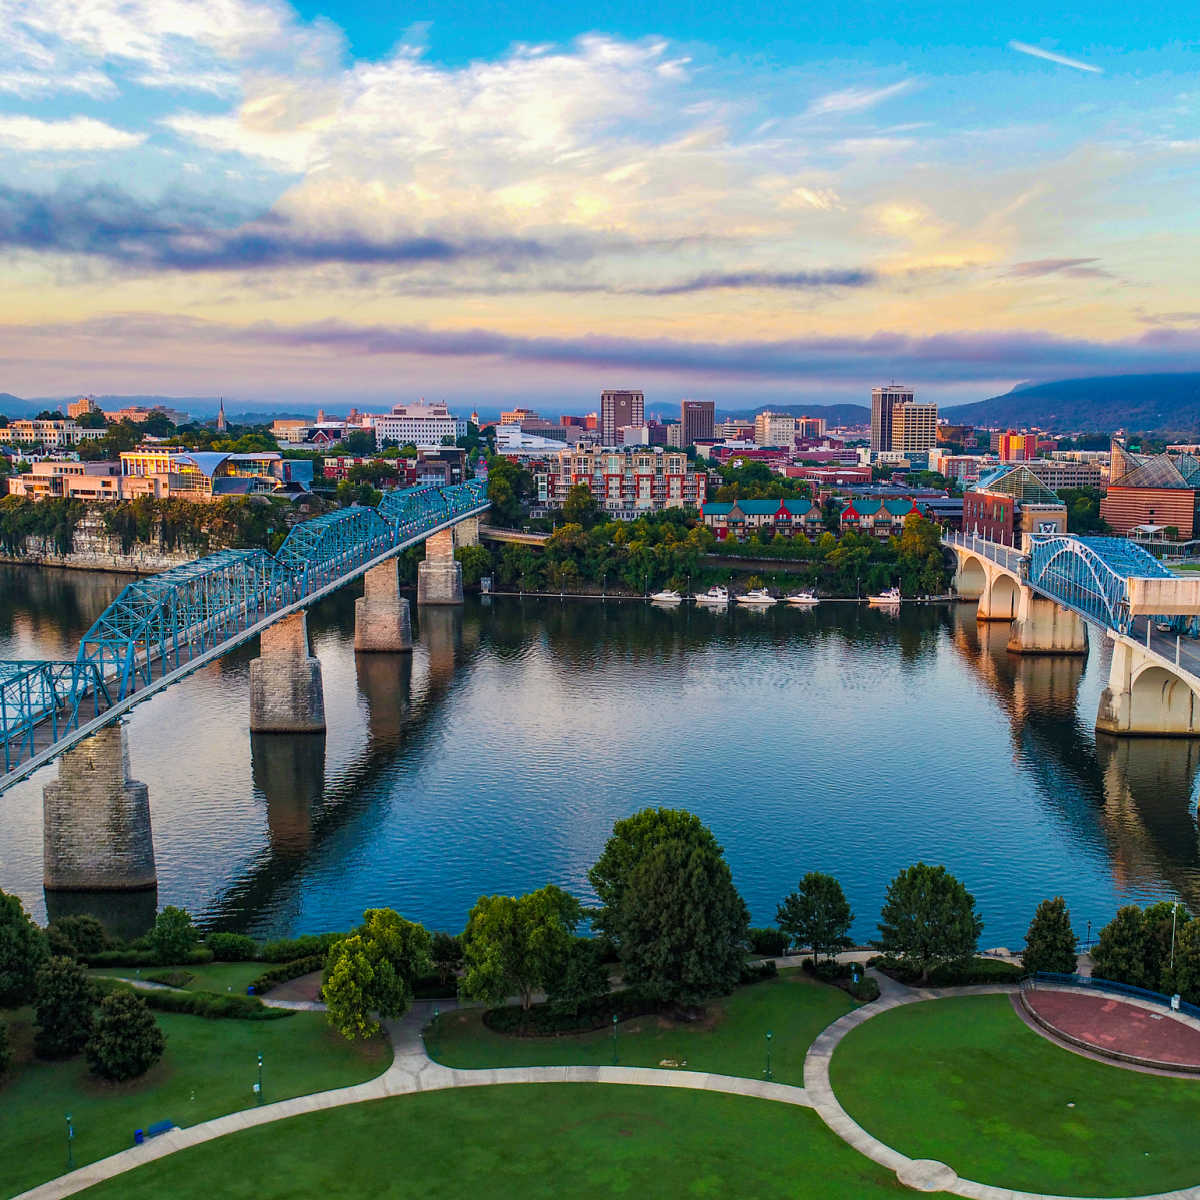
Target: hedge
<point>144,958</point>
<point>306,946</point>
<point>841,975</point>
<point>200,1004</point>
<point>769,942</point>
<point>542,1019</point>
<point>273,976</point>
<point>232,947</point>
<point>953,974</point>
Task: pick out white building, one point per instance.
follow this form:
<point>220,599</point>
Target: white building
<point>421,425</point>
<point>774,429</point>
<point>513,442</point>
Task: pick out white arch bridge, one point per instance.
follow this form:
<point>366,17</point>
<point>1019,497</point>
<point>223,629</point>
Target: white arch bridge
<point>1051,591</point>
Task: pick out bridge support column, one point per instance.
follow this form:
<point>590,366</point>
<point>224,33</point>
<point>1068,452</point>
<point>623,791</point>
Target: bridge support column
<point>96,820</point>
<point>381,620</point>
<point>439,577</point>
<point>1147,697</point>
<point>466,532</point>
<point>1043,627</point>
<point>285,681</point>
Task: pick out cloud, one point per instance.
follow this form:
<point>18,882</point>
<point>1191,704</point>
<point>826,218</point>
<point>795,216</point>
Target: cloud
<point>787,280</point>
<point>1050,56</point>
<point>1077,268</point>
<point>77,133</point>
<point>857,99</point>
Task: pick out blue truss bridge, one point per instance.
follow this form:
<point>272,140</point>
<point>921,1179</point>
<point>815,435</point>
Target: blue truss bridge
<point>162,627</point>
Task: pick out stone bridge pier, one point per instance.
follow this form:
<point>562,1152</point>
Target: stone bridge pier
<point>381,616</point>
<point>1145,697</point>
<point>96,820</point>
<point>286,695</point>
<point>439,577</point>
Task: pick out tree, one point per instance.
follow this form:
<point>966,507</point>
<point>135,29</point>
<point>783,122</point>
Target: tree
<point>928,917</point>
<point>64,1005</point>
<point>126,1041</point>
<point>22,951</point>
<point>447,955</point>
<point>5,1052</point>
<point>817,915</point>
<point>517,944</point>
<point>476,563</point>
<point>174,936</point>
<point>681,925</point>
<point>373,970</point>
<point>1120,951</point>
<point>1185,979</point>
<point>632,839</point>
<point>579,507</point>
<point>584,977</point>
<point>1160,923</point>
<point>77,936</point>
<point>1050,942</point>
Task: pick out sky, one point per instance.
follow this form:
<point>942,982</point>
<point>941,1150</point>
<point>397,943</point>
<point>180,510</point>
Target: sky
<point>349,202</point>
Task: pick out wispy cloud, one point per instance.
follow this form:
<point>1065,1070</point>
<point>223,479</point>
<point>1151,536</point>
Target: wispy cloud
<point>1077,268</point>
<point>1050,56</point>
<point>857,99</point>
<point>786,280</point>
<point>77,133</point>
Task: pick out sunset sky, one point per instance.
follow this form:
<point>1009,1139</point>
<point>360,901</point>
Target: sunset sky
<point>483,203</point>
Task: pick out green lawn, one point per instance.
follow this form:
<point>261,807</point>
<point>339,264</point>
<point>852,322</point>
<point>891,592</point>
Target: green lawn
<point>528,1142</point>
<point>731,1040</point>
<point>209,977</point>
<point>965,1081</point>
<point>208,1069</point>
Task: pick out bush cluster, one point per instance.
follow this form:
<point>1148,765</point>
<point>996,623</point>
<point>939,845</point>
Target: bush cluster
<point>232,947</point>
<point>542,1019</point>
<point>305,946</point>
<point>214,1005</point>
<point>273,976</point>
<point>767,941</point>
<point>130,957</point>
<point>951,974</point>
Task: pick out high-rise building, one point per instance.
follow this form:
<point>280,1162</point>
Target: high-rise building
<point>517,415</point>
<point>883,403</point>
<point>697,418</point>
<point>1017,447</point>
<point>914,428</point>
<point>77,408</point>
<point>618,409</point>
<point>810,427</point>
<point>774,429</point>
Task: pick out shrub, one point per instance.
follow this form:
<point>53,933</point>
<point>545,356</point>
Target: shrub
<point>132,957</point>
<point>865,989</point>
<point>76,936</point>
<point>232,947</point>
<point>5,1051</point>
<point>126,1041</point>
<point>305,946</point>
<point>955,974</point>
<point>63,1007</point>
<point>214,1005</point>
<point>769,942</point>
<point>273,976</point>
<point>22,951</point>
<point>546,1019</point>
<point>174,979</point>
<point>757,972</point>
<point>173,936</point>
<point>431,987</point>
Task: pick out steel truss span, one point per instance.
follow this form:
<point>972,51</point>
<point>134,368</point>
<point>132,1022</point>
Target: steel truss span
<point>163,624</point>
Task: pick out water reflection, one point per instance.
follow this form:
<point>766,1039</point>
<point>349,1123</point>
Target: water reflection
<point>124,915</point>
<point>289,772</point>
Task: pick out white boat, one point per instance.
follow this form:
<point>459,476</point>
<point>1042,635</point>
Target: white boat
<point>758,597</point>
<point>886,599</point>
<point>715,597</point>
<point>670,596</point>
<point>804,599</point>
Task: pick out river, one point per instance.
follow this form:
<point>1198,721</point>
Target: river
<point>496,757</point>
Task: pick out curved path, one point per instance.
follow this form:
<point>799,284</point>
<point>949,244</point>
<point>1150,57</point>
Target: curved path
<point>924,1175</point>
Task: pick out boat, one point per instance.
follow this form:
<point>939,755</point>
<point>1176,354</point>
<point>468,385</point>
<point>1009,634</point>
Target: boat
<point>715,597</point>
<point>670,596</point>
<point>805,599</point>
<point>758,597</point>
<point>886,599</point>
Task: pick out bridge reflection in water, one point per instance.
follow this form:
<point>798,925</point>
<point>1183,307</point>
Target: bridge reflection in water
<point>1134,798</point>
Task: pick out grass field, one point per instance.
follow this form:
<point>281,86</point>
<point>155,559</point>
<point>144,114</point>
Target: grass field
<point>209,1068</point>
<point>965,1081</point>
<point>528,1142</point>
<point>731,1040</point>
<point>209,977</point>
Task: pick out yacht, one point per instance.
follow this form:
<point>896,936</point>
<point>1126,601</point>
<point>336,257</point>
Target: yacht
<point>804,599</point>
<point>670,596</point>
<point>886,599</point>
<point>715,597</point>
<point>759,597</point>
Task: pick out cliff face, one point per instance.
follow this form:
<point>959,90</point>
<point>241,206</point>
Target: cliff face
<point>95,549</point>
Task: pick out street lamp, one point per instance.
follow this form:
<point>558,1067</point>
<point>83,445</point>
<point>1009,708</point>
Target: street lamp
<point>614,1039</point>
<point>769,1076</point>
<point>1174,913</point>
<point>70,1144</point>
<point>258,1085</point>
<point>1089,941</point>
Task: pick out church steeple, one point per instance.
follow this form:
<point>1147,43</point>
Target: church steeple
<point>221,424</point>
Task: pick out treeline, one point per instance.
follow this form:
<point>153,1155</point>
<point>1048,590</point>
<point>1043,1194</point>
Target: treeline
<point>53,520</point>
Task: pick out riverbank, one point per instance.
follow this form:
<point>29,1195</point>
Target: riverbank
<point>949,598</point>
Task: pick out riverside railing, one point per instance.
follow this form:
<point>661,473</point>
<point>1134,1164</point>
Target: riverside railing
<point>1110,985</point>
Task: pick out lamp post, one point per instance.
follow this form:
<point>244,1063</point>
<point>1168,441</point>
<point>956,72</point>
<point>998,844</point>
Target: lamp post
<point>1089,941</point>
<point>1174,914</point>
<point>614,1039</point>
<point>70,1144</point>
<point>258,1086</point>
<point>768,1074</point>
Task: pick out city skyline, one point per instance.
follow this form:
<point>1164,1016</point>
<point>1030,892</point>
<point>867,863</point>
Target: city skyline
<point>267,202</point>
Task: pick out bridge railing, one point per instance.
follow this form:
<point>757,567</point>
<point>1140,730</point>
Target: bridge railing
<point>48,699</point>
<point>1006,556</point>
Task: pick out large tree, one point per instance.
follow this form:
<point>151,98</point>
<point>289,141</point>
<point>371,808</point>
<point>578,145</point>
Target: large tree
<point>632,839</point>
<point>373,970</point>
<point>64,1006</point>
<point>126,1041</point>
<point>22,951</point>
<point>1050,942</point>
<point>173,936</point>
<point>680,923</point>
<point>817,915</point>
<point>928,918</point>
<point>1120,952</point>
<point>518,944</point>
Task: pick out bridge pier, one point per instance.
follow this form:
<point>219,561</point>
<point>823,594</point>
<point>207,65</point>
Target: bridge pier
<point>286,695</point>
<point>96,820</point>
<point>466,532</point>
<point>1043,627</point>
<point>1146,698</point>
<point>439,577</point>
<point>381,618</point>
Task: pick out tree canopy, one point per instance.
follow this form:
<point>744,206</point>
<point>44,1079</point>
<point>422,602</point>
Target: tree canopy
<point>1050,942</point>
<point>929,917</point>
<point>22,951</point>
<point>817,914</point>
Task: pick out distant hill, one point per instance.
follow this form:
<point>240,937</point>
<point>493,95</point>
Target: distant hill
<point>1147,403</point>
<point>834,414</point>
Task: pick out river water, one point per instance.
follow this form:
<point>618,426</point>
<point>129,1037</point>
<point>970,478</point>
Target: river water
<point>496,757</point>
